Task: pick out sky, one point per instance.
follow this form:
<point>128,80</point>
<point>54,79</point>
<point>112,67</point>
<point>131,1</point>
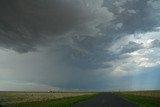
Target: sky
<point>81,45</point>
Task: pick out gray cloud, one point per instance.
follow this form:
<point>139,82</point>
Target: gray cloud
<point>26,24</point>
<point>69,26</point>
<point>131,47</point>
<point>77,35</point>
<point>155,43</point>
<point>143,19</point>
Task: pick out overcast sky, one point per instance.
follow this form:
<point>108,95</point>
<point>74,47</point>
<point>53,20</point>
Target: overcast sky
<point>79,45</point>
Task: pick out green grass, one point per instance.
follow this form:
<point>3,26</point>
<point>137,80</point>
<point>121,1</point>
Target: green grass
<point>65,102</point>
<point>142,101</point>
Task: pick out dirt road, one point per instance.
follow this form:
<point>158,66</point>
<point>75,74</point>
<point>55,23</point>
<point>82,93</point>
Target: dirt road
<point>106,100</point>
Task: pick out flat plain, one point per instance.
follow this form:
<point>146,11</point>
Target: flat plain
<point>142,98</point>
<point>77,99</point>
<point>23,97</point>
<point>151,93</point>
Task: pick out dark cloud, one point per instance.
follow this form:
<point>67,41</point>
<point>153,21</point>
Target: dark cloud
<point>131,47</point>
<point>94,56</point>
<point>155,43</point>
<point>22,23</point>
<point>135,16</point>
<point>26,24</point>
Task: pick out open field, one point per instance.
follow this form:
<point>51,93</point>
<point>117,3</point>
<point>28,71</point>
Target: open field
<point>22,97</point>
<point>142,98</point>
<point>67,99</point>
<point>145,93</point>
<point>64,102</point>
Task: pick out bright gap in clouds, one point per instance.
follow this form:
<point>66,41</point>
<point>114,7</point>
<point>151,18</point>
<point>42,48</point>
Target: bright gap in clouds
<point>141,51</point>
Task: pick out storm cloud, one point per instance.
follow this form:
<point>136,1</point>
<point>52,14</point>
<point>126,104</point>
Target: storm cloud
<point>26,24</point>
<point>56,43</point>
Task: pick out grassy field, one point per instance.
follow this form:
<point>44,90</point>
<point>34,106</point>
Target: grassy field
<point>143,98</point>
<point>35,99</point>
<point>145,93</point>
<point>65,102</point>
